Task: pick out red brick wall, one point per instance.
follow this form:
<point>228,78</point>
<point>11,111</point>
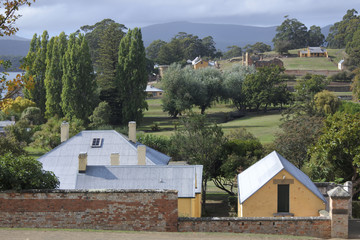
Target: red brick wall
<point>315,227</point>
<point>117,210</point>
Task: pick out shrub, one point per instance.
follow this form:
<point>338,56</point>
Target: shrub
<point>101,115</point>
<point>33,115</point>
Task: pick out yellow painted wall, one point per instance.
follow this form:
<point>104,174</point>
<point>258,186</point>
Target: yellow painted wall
<point>190,207</point>
<point>201,64</point>
<point>263,203</point>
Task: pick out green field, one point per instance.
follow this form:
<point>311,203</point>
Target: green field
<point>296,63</point>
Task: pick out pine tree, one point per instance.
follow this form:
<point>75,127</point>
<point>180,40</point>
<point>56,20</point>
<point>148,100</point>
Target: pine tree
<point>53,76</point>
<point>132,75</point>
<point>78,80</point>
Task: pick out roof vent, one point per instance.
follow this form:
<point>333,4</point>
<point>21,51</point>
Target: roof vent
<point>96,142</point>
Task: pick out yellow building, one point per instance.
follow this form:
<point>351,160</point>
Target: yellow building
<point>153,92</point>
<point>313,52</point>
<point>275,187</point>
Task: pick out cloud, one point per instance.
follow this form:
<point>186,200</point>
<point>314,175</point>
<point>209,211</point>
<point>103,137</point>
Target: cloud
<point>69,15</point>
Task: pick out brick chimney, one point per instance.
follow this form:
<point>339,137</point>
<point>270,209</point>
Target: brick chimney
<point>132,131</point>
<point>64,131</point>
<point>82,162</point>
<point>115,159</point>
<point>141,154</point>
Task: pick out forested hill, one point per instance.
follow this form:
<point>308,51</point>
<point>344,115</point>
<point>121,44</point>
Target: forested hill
<point>14,46</point>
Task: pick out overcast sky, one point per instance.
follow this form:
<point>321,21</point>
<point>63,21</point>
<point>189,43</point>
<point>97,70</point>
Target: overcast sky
<point>56,16</point>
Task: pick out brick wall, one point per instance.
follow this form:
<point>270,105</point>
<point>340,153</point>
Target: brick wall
<point>315,226</point>
<point>145,210</point>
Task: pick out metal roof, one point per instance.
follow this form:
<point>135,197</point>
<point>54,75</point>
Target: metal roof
<point>256,176</point>
<point>63,160</point>
<point>180,178</point>
<point>150,88</point>
<point>4,124</point>
<point>317,50</point>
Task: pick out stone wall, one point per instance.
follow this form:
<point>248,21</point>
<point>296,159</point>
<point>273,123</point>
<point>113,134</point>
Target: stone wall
<point>138,210</point>
<point>315,226</point>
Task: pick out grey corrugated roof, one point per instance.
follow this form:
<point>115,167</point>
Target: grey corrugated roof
<point>180,178</point>
<point>150,88</point>
<point>63,160</point>
<point>256,176</point>
<point>317,50</point>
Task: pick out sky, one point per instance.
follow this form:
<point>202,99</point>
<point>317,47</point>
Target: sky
<point>56,16</point>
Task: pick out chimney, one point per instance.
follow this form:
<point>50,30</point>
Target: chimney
<point>141,154</point>
<point>132,131</point>
<point>64,131</point>
<point>114,159</point>
<point>13,118</point>
<point>82,162</point>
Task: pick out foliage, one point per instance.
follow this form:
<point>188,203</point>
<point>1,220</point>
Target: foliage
<point>23,172</point>
<point>78,84</point>
<point>233,85</point>
<point>9,15</point>
<point>22,131</point>
<point>183,47</point>
<point>33,115</point>
<point>54,74</point>
<point>297,135</point>
<point>315,38</point>
<point>48,137</point>
<point>233,51</point>
<point>342,32</point>
<point>132,76</point>
<point>336,154</point>
<point>152,51</point>
<point>95,35</point>
<point>258,47</point>
<point>242,150</point>
<point>8,143</point>
<point>159,143</point>
<point>353,50</point>
<point>17,106</point>
<point>326,102</point>
<point>343,76</point>
<point>265,88</point>
<point>355,86</point>
<point>101,115</point>
<point>200,143</point>
<point>349,107</point>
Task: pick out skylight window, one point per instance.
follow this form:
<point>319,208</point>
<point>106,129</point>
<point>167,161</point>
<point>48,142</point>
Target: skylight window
<point>96,142</point>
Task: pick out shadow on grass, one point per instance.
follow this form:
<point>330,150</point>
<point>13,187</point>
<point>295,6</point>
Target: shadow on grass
<point>217,205</point>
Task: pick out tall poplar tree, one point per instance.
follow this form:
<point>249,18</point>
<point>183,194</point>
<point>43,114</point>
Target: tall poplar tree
<point>36,67</point>
<point>77,97</point>
<point>53,75</point>
<point>132,75</point>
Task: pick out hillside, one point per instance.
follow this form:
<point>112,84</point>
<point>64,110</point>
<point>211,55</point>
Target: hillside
<point>14,46</point>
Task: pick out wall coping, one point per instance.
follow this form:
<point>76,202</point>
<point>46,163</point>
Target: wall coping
<point>239,219</point>
<point>90,191</point>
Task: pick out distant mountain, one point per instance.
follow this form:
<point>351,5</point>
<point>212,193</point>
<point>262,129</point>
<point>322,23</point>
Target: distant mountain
<point>224,34</point>
<point>14,45</point>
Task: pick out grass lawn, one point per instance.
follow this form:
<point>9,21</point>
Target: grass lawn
<point>35,152</point>
<point>297,63</point>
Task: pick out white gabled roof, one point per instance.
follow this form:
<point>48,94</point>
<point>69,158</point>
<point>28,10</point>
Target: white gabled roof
<point>150,88</point>
<point>256,176</point>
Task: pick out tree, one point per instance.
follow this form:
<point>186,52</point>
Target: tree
<point>178,85</point>
<point>326,102</point>
<point>293,32</point>
<point>316,38</point>
<point>355,86</point>
<point>132,76</point>
<point>353,51</point>
<point>296,136</point>
<point>258,47</point>
<point>9,144</point>
<point>33,115</point>
<point>336,154</point>
<point>342,32</point>
<point>233,85</point>
<point>233,51</point>
<point>265,87</point>
<point>23,172</point>
<point>152,51</point>
<point>9,16</point>
<point>77,97</point>
<point>35,63</point>
<point>94,35</point>
<point>17,106</point>
<point>208,83</point>
<point>107,64</point>
<point>53,76</point>
<point>242,149</point>
<point>101,115</point>
<point>200,143</point>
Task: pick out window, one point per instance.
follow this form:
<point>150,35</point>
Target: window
<point>283,198</point>
<point>96,142</point>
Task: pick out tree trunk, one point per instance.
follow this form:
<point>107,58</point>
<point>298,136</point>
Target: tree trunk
<point>203,195</point>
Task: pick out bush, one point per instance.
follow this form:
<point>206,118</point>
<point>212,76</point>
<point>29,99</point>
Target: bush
<point>101,115</point>
<point>33,115</point>
<point>22,131</point>
<point>10,144</point>
<point>349,107</point>
<point>344,76</point>
<point>24,172</point>
<point>159,143</point>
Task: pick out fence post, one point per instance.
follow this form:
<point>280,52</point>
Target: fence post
<point>339,212</point>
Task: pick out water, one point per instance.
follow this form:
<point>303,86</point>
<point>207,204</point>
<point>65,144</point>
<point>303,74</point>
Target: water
<point>11,76</point>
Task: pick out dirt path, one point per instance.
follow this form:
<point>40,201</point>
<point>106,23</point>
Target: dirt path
<point>22,234</point>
